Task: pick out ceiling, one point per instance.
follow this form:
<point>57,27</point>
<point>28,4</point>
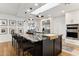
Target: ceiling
<point>19,9</point>
<point>61,9</point>
<point>9,8</point>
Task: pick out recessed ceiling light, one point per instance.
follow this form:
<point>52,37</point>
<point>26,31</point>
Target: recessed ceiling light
<point>28,19</point>
<point>25,12</point>
<point>39,15</point>
<point>63,11</point>
<point>28,10</point>
<point>36,4</point>
<point>42,16</point>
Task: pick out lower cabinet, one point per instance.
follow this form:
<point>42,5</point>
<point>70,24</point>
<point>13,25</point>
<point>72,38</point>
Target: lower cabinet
<point>58,46</point>
<point>48,48</point>
<point>45,47</point>
<point>52,47</point>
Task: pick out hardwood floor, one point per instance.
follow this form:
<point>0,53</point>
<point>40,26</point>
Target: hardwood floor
<point>73,49</point>
<point>6,49</point>
<point>65,54</point>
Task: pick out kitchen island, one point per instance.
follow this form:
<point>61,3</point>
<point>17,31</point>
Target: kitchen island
<point>52,45</point>
<point>48,45</point>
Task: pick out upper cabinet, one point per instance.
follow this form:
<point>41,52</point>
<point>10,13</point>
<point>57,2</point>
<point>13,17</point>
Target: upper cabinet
<point>72,17</point>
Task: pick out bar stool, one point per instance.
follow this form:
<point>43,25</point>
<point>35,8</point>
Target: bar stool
<point>26,47</point>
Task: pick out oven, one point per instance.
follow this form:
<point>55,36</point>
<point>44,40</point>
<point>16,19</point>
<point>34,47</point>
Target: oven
<point>72,34</point>
<point>72,31</point>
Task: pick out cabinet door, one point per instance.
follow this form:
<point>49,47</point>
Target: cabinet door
<point>57,46</point>
<point>68,18</point>
<point>47,47</point>
<point>38,50</point>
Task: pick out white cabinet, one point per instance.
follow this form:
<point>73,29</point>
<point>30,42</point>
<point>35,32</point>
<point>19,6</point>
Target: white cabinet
<point>72,17</point>
<point>68,18</point>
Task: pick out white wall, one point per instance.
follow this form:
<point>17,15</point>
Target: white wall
<point>59,26</point>
<point>7,37</point>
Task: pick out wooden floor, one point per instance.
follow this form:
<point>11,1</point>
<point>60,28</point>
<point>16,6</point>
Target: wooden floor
<point>6,49</point>
<point>65,54</point>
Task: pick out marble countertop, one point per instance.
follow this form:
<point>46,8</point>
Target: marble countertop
<point>32,38</point>
<point>38,37</point>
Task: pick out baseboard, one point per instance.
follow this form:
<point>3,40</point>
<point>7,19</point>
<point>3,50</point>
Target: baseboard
<point>2,41</point>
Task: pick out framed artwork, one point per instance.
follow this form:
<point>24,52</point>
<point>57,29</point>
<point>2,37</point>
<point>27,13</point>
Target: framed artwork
<point>3,22</point>
<point>3,30</point>
<point>12,22</point>
<point>12,30</point>
<point>20,23</point>
<point>20,31</point>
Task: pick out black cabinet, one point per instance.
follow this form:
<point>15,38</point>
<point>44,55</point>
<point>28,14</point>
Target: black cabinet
<point>45,47</point>
<point>52,47</point>
<point>48,47</point>
<point>58,46</point>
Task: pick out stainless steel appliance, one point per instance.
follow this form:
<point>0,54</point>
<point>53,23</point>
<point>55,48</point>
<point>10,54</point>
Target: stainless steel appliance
<point>73,31</point>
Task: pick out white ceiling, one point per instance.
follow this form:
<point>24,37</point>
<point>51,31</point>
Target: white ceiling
<point>9,8</point>
<point>19,9</point>
<point>44,8</point>
<point>58,10</point>
<point>23,8</point>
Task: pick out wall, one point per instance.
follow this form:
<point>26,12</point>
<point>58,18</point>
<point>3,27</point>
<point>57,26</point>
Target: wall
<point>58,26</point>
<point>7,37</point>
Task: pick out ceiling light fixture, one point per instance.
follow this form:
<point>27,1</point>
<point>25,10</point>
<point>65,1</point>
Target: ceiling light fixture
<point>63,11</point>
<point>36,4</point>
<point>25,12</point>
<point>39,16</point>
<point>44,8</point>
<point>28,10</point>
<point>42,16</point>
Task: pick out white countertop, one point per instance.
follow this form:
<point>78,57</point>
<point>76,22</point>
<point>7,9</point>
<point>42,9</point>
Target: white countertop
<point>51,36</point>
<point>33,38</point>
